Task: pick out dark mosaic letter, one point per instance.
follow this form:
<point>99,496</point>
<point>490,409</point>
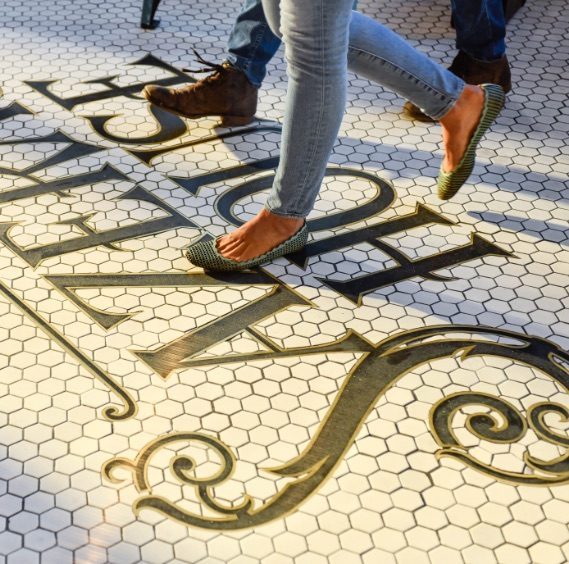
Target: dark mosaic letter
<point>92,238</point>
<point>111,89</point>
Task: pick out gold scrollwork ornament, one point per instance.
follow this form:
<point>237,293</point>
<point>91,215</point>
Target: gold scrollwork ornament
<point>377,369</point>
<point>485,426</point>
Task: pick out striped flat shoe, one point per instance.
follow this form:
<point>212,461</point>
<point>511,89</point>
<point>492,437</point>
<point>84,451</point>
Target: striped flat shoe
<point>206,255</point>
<point>449,183</point>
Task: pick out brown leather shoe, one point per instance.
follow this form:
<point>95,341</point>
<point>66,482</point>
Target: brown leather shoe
<point>472,71</point>
<point>226,93</point>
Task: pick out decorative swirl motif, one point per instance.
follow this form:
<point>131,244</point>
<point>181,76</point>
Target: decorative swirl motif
<point>536,413</point>
<point>377,369</point>
<point>486,427</point>
<point>113,413</point>
<point>180,466</point>
<point>482,425</point>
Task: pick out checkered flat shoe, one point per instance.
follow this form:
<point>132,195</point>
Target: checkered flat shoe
<point>449,183</point>
<point>206,255</point>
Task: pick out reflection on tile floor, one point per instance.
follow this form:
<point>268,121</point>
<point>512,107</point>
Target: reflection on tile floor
<point>395,393</point>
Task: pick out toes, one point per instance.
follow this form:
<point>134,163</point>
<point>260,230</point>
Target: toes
<point>234,250</point>
<point>227,245</point>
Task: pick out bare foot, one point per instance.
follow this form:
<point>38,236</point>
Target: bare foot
<point>460,124</point>
<point>259,235</point>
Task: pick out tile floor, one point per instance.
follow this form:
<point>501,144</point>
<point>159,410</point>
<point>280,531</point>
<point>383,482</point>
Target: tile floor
<point>397,393</point>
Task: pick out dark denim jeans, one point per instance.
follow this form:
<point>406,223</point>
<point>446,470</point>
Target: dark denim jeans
<point>252,44</point>
<point>480,27</point>
<point>480,30</point>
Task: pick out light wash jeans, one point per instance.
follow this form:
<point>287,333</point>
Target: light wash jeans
<point>321,37</point>
<point>480,28</point>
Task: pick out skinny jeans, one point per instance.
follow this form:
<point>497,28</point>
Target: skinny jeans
<point>323,37</point>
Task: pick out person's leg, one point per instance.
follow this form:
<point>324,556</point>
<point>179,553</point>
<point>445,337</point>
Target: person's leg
<point>374,52</point>
<point>316,54</point>
<point>480,38</point>
<point>230,92</point>
<point>315,34</point>
<point>480,27</point>
<point>252,44</point>
<point>379,54</point>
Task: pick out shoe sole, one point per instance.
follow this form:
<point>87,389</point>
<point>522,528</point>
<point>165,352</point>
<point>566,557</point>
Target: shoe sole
<point>449,183</point>
<point>226,121</point>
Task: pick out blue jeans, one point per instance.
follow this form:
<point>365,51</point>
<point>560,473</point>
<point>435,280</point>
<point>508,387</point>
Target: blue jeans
<point>321,38</point>
<point>480,27</point>
<point>480,30</point>
<point>251,43</point>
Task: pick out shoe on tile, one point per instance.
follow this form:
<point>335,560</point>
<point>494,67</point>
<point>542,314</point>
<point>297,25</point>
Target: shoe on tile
<point>472,71</point>
<point>205,254</point>
<point>448,183</point>
<point>226,93</point>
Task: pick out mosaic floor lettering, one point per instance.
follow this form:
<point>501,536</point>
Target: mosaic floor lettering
<point>395,392</point>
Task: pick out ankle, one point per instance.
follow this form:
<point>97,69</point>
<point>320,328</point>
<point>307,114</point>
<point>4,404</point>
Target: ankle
<point>282,225</point>
<point>470,101</point>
